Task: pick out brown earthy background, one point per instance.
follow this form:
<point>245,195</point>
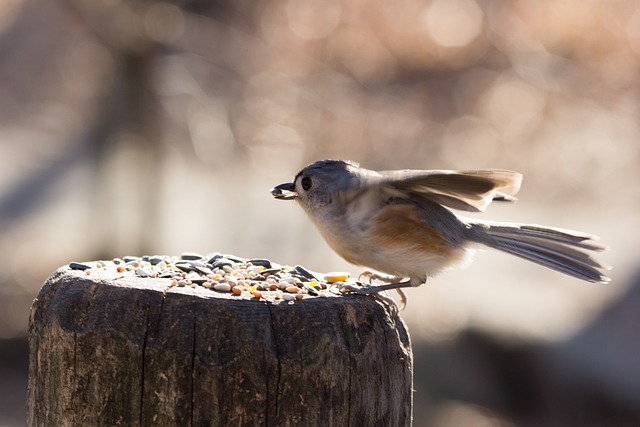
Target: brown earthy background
<point>149,127</point>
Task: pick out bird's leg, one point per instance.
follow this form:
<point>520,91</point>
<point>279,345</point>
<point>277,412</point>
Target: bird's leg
<point>376,289</point>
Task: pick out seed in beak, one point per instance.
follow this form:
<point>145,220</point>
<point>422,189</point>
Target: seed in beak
<point>284,191</point>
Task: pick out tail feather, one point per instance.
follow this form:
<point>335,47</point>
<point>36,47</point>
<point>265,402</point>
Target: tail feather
<point>561,250</point>
<point>574,238</point>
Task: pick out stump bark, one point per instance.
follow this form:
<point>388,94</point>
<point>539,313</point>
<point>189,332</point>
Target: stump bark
<point>108,349</point>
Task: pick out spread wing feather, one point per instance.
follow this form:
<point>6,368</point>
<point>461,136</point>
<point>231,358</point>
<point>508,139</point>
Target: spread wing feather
<point>467,190</point>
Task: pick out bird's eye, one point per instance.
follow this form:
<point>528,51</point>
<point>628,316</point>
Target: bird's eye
<point>306,183</point>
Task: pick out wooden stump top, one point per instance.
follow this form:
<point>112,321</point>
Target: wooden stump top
<point>110,348</point>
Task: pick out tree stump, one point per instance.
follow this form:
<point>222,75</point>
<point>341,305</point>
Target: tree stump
<point>116,349</point>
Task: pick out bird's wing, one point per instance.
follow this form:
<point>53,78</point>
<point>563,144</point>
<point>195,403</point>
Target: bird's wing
<point>467,190</point>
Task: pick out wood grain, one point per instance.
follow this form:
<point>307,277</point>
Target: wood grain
<point>117,350</point>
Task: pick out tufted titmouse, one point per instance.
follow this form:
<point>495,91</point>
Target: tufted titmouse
<point>397,222</point>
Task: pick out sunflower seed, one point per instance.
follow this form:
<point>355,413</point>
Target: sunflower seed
<point>190,256</point>
<point>79,266</point>
<point>260,262</point>
<point>304,272</point>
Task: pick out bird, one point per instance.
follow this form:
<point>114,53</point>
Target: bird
<point>401,223</point>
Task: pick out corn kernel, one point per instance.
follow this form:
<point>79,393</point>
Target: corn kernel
<point>336,276</point>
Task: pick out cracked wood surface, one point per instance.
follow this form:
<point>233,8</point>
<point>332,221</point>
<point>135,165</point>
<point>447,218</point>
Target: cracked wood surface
<point>110,349</point>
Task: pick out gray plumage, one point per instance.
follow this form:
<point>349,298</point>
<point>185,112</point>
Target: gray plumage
<point>348,204</point>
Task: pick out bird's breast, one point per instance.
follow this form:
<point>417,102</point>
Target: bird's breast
<point>394,240</point>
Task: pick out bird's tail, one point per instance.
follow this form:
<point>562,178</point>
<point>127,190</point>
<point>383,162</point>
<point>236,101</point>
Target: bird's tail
<point>562,250</point>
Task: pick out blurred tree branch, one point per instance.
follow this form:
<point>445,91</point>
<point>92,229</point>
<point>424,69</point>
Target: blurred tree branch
<point>127,107</point>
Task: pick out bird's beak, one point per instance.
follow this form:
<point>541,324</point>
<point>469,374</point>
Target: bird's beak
<point>284,191</point>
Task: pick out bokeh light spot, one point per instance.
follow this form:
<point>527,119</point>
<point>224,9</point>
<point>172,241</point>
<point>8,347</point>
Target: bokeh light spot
<point>453,23</point>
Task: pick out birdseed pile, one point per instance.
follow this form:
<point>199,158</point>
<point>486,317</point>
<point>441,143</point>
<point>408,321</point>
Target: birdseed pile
<point>257,278</point>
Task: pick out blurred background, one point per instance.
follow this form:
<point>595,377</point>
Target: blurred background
<point>147,127</point>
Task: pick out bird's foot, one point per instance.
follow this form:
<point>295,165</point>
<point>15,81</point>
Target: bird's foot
<point>386,278</point>
<point>375,290</point>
